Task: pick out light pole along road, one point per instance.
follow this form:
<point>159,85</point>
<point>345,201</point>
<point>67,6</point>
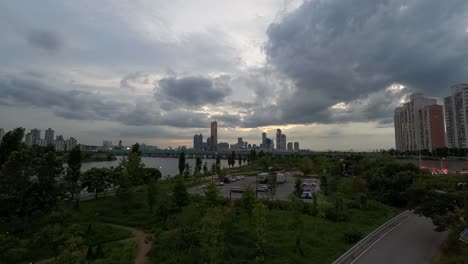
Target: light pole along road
<point>412,242</point>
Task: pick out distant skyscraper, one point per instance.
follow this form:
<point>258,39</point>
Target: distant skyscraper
<point>283,142</point>
<point>214,136</point>
<point>296,145</point>
<point>2,133</point>
<point>278,139</point>
<point>290,146</point>
<point>36,135</point>
<point>419,124</point>
<point>456,117</point>
<point>28,139</point>
<point>208,143</point>
<point>264,137</point>
<point>49,137</point>
<point>198,142</point>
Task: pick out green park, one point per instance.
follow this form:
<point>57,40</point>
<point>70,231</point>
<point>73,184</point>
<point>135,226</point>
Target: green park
<point>136,216</point>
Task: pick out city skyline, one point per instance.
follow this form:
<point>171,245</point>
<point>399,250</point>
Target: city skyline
<point>251,65</point>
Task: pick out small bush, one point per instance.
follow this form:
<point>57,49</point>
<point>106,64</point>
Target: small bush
<point>352,236</point>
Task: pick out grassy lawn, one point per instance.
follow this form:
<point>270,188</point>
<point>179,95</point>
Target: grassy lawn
<point>322,240</point>
<point>119,252</point>
<point>108,209</point>
<point>103,233</point>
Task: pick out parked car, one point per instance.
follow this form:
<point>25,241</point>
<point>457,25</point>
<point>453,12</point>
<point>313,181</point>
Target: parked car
<point>238,178</point>
<point>309,182</point>
<point>218,183</point>
<point>262,188</point>
<point>307,195</point>
<point>233,178</point>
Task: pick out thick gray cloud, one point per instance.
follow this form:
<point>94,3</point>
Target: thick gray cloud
<point>79,104</point>
<point>342,51</point>
<point>192,91</point>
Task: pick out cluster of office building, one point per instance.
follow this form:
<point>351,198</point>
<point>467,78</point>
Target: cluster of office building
<point>423,124</point>
<point>212,144</point>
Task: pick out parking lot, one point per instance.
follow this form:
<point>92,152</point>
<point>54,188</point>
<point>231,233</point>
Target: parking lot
<point>283,190</point>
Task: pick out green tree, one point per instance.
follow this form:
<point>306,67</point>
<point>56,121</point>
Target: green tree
<point>259,213</point>
<point>240,159</point>
<point>11,249</point>
<point>180,194</point>
<point>123,192</point>
<point>248,200</point>
<point>297,225</point>
<point>181,163</point>
<point>187,170</point>
<point>198,167</point>
<point>28,185</point>
<point>212,235</point>
<point>205,168</point>
<point>97,180</point>
<point>315,205</point>
<point>73,172</point>
<point>10,142</point>
<point>135,168</point>
<point>151,175</point>
<point>212,196</point>
<point>136,149</point>
<point>218,161</point>
<point>305,165</point>
<point>264,163</point>
<point>298,187</point>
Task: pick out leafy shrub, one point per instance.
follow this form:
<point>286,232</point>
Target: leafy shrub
<point>352,236</point>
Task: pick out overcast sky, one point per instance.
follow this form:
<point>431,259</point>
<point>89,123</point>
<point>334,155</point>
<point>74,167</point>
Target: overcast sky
<point>327,72</point>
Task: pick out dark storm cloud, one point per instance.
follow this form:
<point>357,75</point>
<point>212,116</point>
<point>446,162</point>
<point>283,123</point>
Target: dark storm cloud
<point>343,51</point>
<point>83,105</point>
<point>192,91</point>
<point>44,40</point>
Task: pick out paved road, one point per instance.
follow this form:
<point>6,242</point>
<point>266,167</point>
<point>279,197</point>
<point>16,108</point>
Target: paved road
<point>412,242</point>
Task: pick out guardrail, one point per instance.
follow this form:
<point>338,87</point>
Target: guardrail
<point>363,245</point>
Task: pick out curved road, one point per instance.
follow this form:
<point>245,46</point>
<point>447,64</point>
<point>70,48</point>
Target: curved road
<point>412,242</point>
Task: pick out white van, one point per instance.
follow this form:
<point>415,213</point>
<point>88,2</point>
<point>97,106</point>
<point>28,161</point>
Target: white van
<point>263,177</point>
<point>280,178</point>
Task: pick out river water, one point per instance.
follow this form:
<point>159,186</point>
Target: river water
<point>165,165</point>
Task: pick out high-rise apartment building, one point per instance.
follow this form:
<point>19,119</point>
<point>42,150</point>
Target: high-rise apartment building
<point>59,144</point>
<point>456,116</point>
<point>28,139</point>
<point>283,142</point>
<point>290,146</point>
<point>70,144</point>
<point>296,145</point>
<point>264,137</point>
<point>2,133</point>
<point>214,136</point>
<point>278,139</point>
<point>198,142</point>
<point>419,124</point>
<point>49,137</point>
<point>35,136</point>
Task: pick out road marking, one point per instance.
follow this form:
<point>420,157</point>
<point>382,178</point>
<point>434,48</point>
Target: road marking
<point>375,242</point>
